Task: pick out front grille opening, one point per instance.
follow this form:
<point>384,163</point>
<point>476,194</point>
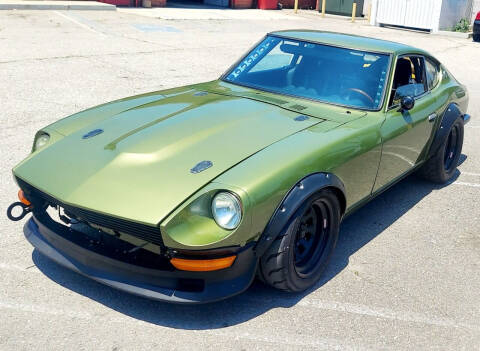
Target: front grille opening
<point>191,285</point>
<point>141,231</point>
<point>106,244</point>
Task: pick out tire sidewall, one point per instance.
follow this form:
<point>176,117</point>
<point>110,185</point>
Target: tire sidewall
<point>447,175</point>
<point>297,282</point>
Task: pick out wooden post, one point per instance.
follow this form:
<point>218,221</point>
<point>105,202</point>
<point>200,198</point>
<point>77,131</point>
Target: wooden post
<point>323,7</point>
<point>296,6</point>
<point>354,11</point>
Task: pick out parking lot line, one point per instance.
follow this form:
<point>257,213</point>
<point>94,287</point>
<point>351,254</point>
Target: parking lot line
<point>78,23</point>
<point>324,343</point>
<point>385,313</point>
<point>36,308</point>
<point>11,267</point>
<point>341,307</point>
<point>474,185</point>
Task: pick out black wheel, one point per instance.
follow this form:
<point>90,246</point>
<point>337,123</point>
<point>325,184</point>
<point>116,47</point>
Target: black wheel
<point>476,37</point>
<point>297,258</point>
<point>441,167</point>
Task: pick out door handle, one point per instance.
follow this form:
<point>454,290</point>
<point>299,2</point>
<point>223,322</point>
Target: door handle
<point>432,117</point>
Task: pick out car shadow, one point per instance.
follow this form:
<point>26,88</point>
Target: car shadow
<point>356,231</point>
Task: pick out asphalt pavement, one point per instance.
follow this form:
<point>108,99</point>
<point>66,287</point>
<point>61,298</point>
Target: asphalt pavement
<point>405,274</point>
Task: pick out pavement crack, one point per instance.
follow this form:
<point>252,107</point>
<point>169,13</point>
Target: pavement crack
<point>40,59</point>
<point>35,59</point>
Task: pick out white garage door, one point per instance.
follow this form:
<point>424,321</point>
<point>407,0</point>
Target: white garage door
<point>407,13</point>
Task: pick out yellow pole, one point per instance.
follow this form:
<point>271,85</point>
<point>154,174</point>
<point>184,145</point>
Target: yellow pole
<point>323,7</point>
<point>296,6</point>
<point>354,11</point>
<point>369,12</point>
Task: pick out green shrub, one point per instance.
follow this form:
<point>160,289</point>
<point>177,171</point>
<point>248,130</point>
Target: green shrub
<point>462,26</point>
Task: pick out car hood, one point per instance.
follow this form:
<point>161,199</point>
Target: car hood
<point>139,167</point>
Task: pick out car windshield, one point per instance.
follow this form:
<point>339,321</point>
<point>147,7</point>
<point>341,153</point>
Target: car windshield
<point>314,71</point>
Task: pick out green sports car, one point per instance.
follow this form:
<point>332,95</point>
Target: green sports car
<point>186,195</point>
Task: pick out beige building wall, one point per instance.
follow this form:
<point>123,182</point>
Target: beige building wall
<point>453,11</point>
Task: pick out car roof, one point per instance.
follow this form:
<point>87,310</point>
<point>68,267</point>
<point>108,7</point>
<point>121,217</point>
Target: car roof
<point>348,41</point>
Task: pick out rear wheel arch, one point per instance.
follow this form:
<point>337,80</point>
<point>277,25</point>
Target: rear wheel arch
<point>451,114</point>
<point>302,191</point>
<point>442,165</point>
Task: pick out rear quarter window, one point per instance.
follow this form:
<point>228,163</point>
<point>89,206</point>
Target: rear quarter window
<point>432,71</point>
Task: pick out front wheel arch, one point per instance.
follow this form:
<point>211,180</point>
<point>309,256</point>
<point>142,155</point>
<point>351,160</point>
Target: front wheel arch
<point>298,257</point>
<point>295,198</point>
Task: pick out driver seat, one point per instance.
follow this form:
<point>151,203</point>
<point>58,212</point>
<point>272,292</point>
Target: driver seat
<point>403,73</point>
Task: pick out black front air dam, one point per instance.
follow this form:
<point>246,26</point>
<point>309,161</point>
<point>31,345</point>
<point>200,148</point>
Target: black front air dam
<point>158,284</point>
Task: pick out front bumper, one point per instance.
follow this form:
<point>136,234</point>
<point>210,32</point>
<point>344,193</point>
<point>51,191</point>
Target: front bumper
<point>60,244</point>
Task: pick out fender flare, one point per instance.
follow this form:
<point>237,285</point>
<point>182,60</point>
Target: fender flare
<point>451,114</point>
<point>294,199</point>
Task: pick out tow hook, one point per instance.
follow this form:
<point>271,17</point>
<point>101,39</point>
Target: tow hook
<point>25,210</point>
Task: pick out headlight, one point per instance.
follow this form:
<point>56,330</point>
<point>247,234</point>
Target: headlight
<point>41,141</point>
<point>226,210</point>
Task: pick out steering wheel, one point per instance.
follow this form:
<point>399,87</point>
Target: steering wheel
<point>363,93</point>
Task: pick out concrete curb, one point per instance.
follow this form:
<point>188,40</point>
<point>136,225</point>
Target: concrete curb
<point>314,13</point>
<point>56,5</point>
<point>454,34</point>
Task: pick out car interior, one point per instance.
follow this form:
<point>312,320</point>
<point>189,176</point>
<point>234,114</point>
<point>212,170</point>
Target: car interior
<point>319,72</point>
<point>409,79</point>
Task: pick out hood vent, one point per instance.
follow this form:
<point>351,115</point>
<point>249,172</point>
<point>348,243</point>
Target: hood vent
<point>273,100</point>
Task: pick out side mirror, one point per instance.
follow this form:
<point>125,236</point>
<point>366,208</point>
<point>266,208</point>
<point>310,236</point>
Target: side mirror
<point>407,103</point>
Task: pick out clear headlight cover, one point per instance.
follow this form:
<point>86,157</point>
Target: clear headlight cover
<point>41,141</point>
<point>226,210</point>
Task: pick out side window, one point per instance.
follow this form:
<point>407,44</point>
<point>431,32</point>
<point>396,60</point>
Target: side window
<point>409,79</point>
<point>433,76</point>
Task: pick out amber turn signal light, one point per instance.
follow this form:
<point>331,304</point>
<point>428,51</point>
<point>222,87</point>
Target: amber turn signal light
<point>22,198</point>
<point>202,265</point>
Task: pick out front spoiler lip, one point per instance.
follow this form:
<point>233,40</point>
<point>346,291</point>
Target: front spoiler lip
<point>215,289</point>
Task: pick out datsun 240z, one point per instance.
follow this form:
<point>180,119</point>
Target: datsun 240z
<point>187,194</point>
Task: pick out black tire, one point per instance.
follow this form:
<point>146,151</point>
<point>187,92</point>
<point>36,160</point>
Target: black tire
<point>284,265</point>
<point>441,167</point>
<point>476,37</point>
